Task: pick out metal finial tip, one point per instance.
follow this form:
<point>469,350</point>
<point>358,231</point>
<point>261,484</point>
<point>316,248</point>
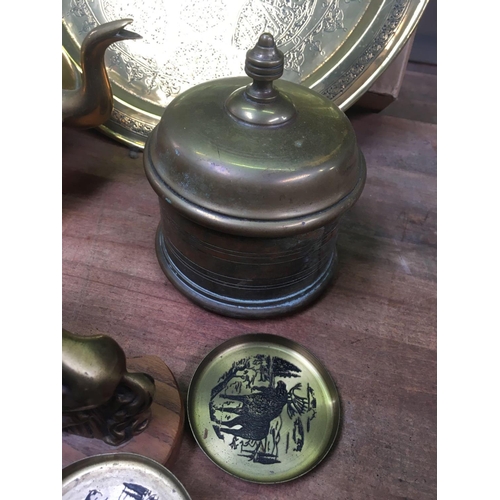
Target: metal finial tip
<point>266,40</point>
<point>264,62</point>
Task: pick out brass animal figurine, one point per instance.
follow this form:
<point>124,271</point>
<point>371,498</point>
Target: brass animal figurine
<point>100,399</point>
<point>91,103</point>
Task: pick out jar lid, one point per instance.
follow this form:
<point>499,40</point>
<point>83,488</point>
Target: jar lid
<point>256,158</point>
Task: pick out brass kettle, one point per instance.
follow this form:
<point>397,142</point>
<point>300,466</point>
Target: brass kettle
<point>87,100</point>
<point>253,175</point>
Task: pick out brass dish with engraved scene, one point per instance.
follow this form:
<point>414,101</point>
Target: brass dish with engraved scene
<point>263,408</point>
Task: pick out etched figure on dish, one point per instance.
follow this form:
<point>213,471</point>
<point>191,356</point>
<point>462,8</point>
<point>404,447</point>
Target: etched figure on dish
<point>257,411</point>
<point>249,402</point>
<point>137,492</point>
<point>130,491</point>
<point>94,495</point>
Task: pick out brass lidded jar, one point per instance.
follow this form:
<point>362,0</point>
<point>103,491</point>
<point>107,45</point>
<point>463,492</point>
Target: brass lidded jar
<point>252,178</point>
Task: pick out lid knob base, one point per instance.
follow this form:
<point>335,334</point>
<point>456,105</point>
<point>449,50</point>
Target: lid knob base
<point>260,103</point>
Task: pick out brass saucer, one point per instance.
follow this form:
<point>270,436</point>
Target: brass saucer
<point>263,408</point>
<point>120,476</point>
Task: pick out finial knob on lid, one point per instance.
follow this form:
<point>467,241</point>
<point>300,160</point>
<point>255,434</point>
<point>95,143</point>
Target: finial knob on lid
<point>264,63</point>
<point>265,60</point>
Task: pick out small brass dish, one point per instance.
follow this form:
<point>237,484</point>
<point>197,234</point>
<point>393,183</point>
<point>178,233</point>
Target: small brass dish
<point>120,476</point>
<point>263,408</point>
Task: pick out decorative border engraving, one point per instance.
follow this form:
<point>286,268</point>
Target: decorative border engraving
<point>132,124</point>
<point>379,43</point>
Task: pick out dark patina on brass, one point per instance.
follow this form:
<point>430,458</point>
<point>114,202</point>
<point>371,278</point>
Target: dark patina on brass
<point>252,177</point>
<point>100,399</point>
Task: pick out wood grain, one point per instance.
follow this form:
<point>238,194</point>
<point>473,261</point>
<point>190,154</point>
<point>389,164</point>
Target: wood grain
<point>374,329</point>
<point>162,438</point>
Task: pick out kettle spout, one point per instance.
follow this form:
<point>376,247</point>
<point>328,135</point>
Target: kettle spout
<point>91,103</point>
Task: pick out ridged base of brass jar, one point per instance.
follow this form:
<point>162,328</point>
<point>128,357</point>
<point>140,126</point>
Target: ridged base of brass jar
<point>285,275</point>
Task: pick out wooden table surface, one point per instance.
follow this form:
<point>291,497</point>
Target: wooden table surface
<point>374,329</point>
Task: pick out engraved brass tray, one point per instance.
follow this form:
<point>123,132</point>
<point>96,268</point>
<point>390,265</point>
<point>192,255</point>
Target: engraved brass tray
<point>120,476</point>
<point>263,408</point>
<point>336,47</point>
